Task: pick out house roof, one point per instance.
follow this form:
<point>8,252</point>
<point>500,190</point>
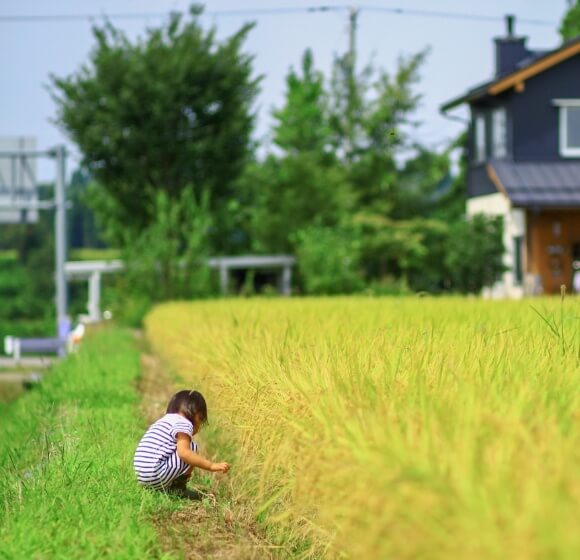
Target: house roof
<point>543,184</point>
<point>537,62</point>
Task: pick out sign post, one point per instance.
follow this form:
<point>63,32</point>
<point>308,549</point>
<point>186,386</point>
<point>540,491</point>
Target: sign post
<point>18,199</point>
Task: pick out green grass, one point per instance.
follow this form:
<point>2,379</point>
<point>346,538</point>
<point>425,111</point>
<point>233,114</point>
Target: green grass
<point>67,488</point>
<point>8,255</point>
<point>9,391</point>
<point>94,254</point>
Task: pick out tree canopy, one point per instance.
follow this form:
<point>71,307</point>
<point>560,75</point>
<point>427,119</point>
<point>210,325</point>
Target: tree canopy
<point>170,111</point>
<point>165,127</point>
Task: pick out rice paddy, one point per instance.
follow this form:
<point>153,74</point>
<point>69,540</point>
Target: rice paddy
<point>393,428</point>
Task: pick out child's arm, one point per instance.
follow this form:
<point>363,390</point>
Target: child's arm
<point>188,456</point>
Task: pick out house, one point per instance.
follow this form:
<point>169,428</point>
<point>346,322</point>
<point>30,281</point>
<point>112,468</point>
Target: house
<point>524,161</point>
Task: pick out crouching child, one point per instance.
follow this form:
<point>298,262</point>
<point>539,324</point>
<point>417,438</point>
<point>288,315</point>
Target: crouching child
<point>167,454</point>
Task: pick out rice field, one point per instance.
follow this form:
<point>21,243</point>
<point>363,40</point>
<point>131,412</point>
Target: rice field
<point>393,428</point>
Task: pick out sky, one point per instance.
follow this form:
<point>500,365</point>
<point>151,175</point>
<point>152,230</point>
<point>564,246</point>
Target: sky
<point>461,49</point>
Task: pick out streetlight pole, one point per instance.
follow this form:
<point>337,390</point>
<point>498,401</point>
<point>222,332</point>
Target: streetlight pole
<point>62,320</point>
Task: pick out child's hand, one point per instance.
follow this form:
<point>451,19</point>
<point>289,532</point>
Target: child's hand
<point>220,467</point>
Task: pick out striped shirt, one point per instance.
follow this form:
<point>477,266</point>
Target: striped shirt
<point>156,461</point>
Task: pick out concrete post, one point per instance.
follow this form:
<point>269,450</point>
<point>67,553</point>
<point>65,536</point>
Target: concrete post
<point>287,280</point>
<point>94,303</point>
<point>16,351</point>
<point>224,279</point>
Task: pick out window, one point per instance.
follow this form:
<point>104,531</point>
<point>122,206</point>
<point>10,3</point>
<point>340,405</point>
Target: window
<point>499,133</point>
<point>479,138</point>
<point>569,127</point>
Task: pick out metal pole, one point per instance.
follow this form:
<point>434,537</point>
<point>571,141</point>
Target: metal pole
<point>60,241</point>
<point>351,89</point>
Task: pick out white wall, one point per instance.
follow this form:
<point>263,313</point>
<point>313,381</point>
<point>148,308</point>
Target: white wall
<point>514,225</point>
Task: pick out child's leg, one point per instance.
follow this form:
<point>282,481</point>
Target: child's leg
<point>181,481</point>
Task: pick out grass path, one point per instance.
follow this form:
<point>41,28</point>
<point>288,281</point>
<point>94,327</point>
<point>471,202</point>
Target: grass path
<point>215,528</point>
<point>67,487</point>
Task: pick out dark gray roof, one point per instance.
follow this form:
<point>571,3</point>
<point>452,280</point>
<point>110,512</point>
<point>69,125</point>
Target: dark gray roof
<point>482,89</point>
<point>534,55</point>
<point>540,184</point>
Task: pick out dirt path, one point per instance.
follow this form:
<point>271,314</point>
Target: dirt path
<point>214,528</point>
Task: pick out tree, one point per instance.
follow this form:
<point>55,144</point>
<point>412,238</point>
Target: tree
<point>474,253</point>
<point>303,184</point>
<point>302,125</point>
<point>370,116</point>
<point>82,227</point>
<point>570,26</point>
<point>170,111</point>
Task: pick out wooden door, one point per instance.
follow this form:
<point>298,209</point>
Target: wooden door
<point>552,238</point>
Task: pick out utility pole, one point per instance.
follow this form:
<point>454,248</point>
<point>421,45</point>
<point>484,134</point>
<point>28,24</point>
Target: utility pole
<point>352,21</point>
<point>351,77</point>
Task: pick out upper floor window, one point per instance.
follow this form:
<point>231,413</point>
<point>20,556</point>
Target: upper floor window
<point>479,138</point>
<point>569,134</point>
<point>499,133</point>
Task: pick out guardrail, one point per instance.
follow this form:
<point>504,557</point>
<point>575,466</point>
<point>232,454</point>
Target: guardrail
<point>16,347</point>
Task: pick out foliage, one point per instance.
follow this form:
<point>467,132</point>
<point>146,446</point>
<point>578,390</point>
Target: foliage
<point>432,428</point>
<point>345,161</point>
<point>292,193</point>
<point>27,266</point>
<point>302,125</point>
<point>168,112</point>
<point>371,114</point>
<point>570,26</point>
<point>168,259</point>
<point>328,260</point>
<point>27,276</point>
<point>302,186</point>
<point>472,257</point>
<point>83,228</point>
<point>345,172</point>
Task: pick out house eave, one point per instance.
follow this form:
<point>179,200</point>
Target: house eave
<point>518,77</point>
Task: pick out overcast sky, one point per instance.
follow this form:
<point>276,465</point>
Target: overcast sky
<point>461,49</point>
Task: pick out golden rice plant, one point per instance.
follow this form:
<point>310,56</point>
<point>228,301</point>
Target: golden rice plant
<point>394,428</point>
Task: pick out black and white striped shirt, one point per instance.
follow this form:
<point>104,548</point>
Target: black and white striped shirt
<point>156,461</point>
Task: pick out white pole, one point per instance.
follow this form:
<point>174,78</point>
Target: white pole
<point>17,352</point>
<point>224,278</point>
<point>94,304</point>
<point>287,280</point>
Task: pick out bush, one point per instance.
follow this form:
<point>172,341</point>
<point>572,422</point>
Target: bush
<point>328,261</point>
<point>474,256</point>
<point>167,260</point>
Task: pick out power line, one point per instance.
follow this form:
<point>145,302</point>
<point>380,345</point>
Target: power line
<point>23,18</point>
<point>145,15</point>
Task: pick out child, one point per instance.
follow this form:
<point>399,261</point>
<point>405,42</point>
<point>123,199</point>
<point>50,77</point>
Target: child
<point>166,454</point>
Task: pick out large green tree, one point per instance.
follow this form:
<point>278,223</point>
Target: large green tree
<point>168,112</point>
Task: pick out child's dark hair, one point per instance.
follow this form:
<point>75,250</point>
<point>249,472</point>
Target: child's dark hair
<point>188,403</point>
